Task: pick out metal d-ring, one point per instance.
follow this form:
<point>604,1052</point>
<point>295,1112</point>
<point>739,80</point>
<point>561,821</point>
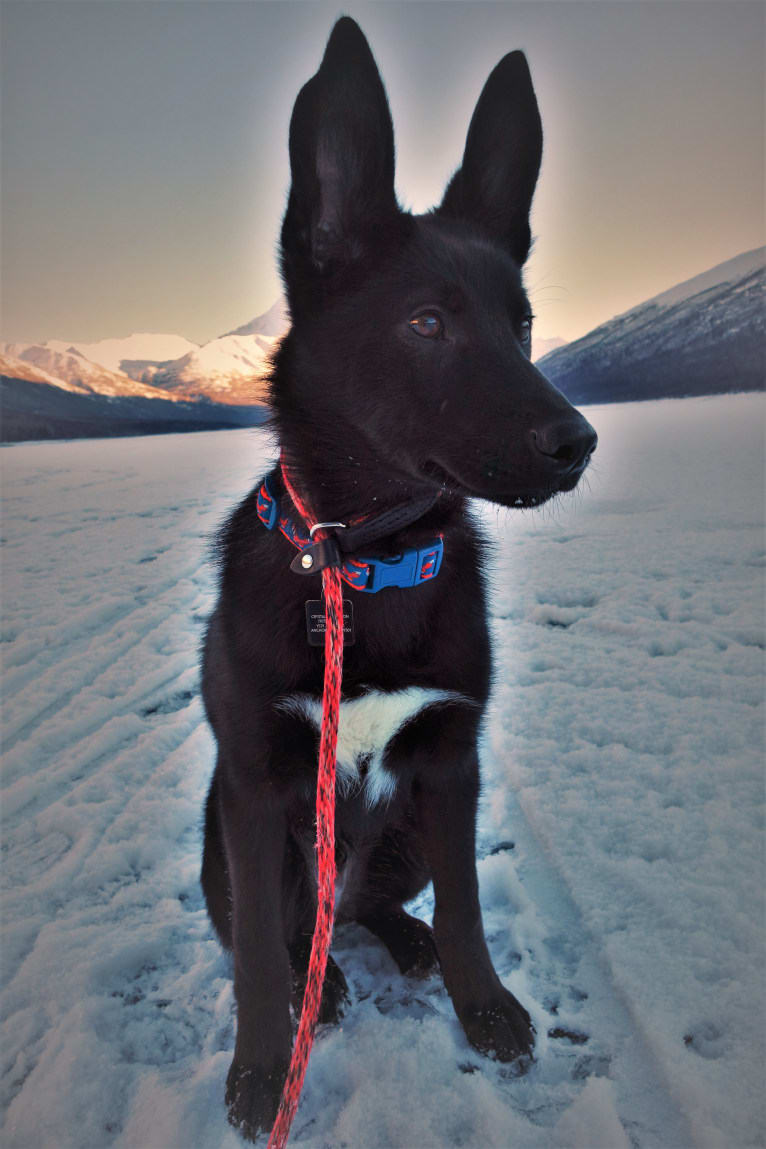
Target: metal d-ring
<point>324,526</point>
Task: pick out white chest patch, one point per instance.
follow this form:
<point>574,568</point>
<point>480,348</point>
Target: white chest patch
<point>365,728</point>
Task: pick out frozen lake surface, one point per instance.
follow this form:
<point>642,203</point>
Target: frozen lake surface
<point>621,828</point>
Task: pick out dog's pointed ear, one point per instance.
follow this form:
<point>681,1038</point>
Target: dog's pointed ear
<point>341,159</point>
<point>494,185</point>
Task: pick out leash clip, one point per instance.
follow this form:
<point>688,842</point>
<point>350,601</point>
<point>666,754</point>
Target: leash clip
<point>317,556</point>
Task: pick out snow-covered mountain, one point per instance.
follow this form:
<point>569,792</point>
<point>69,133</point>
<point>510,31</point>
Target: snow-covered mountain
<point>274,322</point>
<point>543,347</point>
<point>705,336</point>
<point>13,368</point>
<point>66,367</point>
<point>49,393</point>
<point>230,369</point>
<point>146,346</point>
<point>731,271</point>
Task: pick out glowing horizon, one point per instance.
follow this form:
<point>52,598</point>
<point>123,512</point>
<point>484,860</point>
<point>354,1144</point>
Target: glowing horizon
<point>145,166</point>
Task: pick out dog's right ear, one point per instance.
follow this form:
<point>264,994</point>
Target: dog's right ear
<point>341,161</point>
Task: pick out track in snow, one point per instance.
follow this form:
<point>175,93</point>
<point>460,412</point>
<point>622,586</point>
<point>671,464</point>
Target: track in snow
<point>118,1011</point>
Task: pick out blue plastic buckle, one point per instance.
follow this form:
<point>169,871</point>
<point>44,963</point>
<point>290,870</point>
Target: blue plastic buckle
<point>410,568</point>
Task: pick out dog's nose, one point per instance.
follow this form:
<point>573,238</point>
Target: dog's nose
<point>567,442</point>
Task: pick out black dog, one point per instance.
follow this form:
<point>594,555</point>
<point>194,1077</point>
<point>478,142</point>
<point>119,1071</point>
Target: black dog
<point>403,388</point>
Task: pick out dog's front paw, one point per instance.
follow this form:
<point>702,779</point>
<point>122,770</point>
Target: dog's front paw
<point>335,995</point>
<point>502,1029</point>
<point>252,1098</point>
<point>418,957</point>
<point>335,991</point>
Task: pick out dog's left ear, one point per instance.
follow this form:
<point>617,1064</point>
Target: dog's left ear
<point>341,160</point>
<point>496,181</point>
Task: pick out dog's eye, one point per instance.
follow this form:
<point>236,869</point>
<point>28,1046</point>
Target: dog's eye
<point>428,325</point>
<point>525,330</point>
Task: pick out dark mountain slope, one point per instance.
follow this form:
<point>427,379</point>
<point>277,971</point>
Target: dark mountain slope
<point>704,337</point>
<point>31,410</point>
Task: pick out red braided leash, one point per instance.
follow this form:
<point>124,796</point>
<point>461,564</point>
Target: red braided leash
<point>325,812</point>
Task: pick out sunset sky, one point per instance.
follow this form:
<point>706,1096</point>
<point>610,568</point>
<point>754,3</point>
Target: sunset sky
<point>144,148</point>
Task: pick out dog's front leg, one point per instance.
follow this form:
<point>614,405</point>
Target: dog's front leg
<point>255,837</point>
<point>493,1020</point>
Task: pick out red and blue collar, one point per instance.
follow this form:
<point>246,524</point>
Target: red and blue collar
<point>369,574</point>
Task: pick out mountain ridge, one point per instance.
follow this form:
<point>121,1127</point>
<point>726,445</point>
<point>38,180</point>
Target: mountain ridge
<point>72,371</point>
<point>155,347</point>
<point>704,336</point>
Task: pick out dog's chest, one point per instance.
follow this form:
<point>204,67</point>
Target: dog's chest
<point>366,727</point>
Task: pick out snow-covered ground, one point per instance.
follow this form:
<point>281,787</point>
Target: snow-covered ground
<point>621,849</point>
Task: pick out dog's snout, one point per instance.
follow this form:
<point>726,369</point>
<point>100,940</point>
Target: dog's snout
<point>567,442</point>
